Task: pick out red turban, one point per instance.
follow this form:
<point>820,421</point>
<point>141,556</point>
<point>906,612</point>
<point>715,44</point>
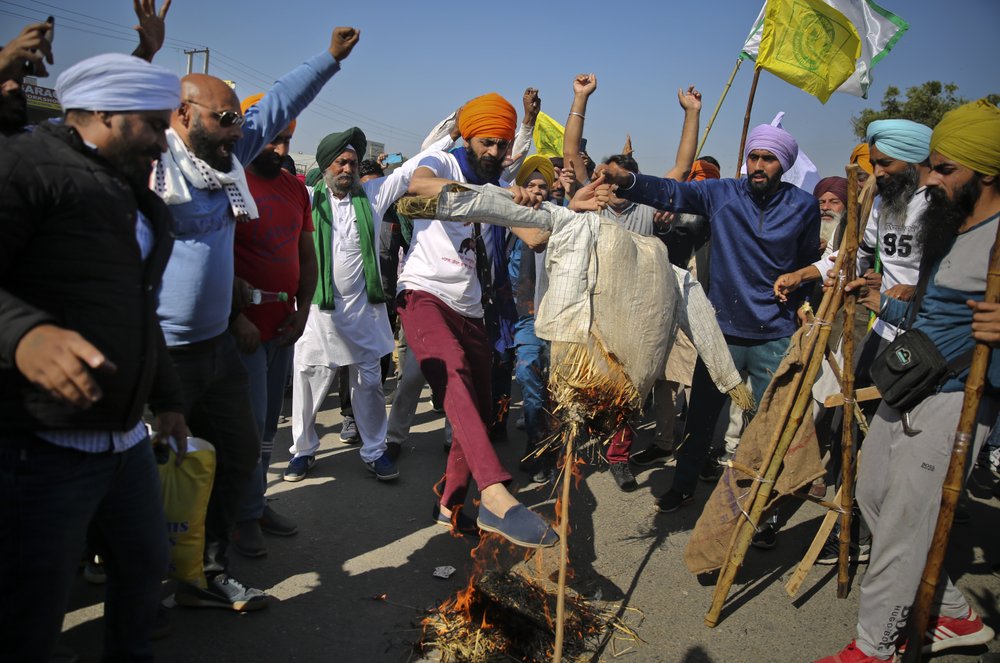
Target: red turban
<point>253,99</point>
<point>835,185</point>
<point>703,170</point>
<point>488,116</point>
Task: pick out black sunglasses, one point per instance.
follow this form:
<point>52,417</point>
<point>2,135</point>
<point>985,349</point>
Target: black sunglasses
<point>226,118</point>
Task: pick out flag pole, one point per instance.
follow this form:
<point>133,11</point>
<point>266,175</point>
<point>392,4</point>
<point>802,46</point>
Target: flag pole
<point>746,120</point>
<point>718,105</point>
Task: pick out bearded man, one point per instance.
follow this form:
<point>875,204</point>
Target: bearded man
<point>81,354</point>
<point>201,177</point>
<point>761,226</point>
<point>441,305</point>
<point>906,454</point>
<point>349,323</point>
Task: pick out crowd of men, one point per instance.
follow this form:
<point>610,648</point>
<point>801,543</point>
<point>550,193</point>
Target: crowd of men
<point>160,266</point>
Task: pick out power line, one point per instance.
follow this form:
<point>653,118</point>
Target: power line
<point>248,71</point>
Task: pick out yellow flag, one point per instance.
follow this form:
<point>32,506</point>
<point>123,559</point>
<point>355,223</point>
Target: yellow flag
<point>548,136</point>
<point>809,44</point>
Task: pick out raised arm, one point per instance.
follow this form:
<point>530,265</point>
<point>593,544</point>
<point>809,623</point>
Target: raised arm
<point>583,86</point>
<point>152,28</point>
<point>522,140</point>
<point>290,95</point>
<point>690,102</point>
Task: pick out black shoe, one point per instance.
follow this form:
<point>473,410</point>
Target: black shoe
<point>673,500</point>
<point>651,455</point>
<point>962,516</point>
<point>162,626</point>
<point>765,538</point>
<point>830,554</point>
<point>711,470</point>
<point>623,476</point>
<point>223,591</point>
<point>349,431</point>
<point>393,450</point>
<point>544,475</point>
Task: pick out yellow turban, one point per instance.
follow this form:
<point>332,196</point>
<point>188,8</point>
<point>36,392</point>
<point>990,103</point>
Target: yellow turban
<point>533,163</point>
<point>488,116</point>
<point>862,156</point>
<point>253,99</point>
<point>970,135</point>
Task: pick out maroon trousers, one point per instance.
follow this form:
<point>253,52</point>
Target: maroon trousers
<point>621,443</point>
<point>455,357</point>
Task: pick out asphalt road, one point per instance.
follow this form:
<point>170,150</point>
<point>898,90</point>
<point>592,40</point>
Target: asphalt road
<point>359,539</point>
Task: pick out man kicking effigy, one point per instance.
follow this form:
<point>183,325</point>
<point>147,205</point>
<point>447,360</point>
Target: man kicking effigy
<point>440,304</point>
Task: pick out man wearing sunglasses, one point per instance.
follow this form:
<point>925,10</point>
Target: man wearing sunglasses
<point>201,177</point>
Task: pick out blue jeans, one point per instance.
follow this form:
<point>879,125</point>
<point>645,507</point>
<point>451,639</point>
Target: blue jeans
<point>531,370</point>
<point>48,497</point>
<point>217,409</point>
<point>757,359</point>
<point>267,370</point>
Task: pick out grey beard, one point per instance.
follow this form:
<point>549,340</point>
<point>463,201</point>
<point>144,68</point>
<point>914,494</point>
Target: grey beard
<point>828,225</point>
<point>334,186</point>
<point>895,202</point>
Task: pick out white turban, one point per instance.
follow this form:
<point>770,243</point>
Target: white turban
<point>117,82</point>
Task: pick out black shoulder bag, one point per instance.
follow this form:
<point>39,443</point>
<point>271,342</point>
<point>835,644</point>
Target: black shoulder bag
<point>911,368</point>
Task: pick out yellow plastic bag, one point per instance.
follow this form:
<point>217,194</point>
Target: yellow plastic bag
<point>186,489</point>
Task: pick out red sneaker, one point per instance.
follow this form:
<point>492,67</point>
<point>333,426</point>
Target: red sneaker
<point>949,632</point>
<point>851,654</point>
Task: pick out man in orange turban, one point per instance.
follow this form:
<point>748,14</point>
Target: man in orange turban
<point>441,305</point>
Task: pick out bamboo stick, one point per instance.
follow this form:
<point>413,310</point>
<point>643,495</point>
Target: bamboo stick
<point>718,105</point>
<point>746,120</point>
<point>567,479</point>
<point>955,477</point>
<point>809,559</point>
<point>847,389</point>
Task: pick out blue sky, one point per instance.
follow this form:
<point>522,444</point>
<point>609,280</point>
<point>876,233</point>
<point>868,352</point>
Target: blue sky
<point>418,61</point>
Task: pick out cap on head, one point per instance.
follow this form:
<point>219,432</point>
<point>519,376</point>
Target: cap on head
<point>488,116</point>
<point>835,185</point>
<point>970,135</point>
<point>533,163</point>
<point>861,155</point>
<point>904,140</point>
<point>775,140</point>
<point>334,144</point>
<point>117,82</point>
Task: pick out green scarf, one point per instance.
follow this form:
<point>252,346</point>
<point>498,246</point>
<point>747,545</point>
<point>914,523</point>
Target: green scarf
<point>323,239</point>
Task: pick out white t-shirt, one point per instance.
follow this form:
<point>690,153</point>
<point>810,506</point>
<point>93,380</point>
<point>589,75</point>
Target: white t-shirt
<point>442,255</point>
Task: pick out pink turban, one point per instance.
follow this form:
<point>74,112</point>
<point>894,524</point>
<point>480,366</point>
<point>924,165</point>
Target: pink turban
<point>776,141</point>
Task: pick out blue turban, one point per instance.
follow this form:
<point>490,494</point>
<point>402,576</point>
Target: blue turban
<point>775,140</point>
<point>900,139</point>
<point>116,82</point>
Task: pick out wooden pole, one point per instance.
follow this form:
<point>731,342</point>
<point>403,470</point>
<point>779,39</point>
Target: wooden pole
<point>746,121</point>
<point>718,105</point>
<point>567,479</point>
<point>847,388</point>
<point>809,559</point>
<point>955,477</point>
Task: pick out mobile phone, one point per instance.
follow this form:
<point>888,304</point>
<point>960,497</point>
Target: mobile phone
<point>394,159</point>
<point>29,67</point>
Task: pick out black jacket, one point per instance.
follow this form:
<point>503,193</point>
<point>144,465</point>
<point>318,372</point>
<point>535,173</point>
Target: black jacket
<point>69,257</point>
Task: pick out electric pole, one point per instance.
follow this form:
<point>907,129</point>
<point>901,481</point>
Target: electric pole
<point>190,55</point>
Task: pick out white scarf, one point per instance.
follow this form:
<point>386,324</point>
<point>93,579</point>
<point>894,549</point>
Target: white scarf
<point>178,166</point>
